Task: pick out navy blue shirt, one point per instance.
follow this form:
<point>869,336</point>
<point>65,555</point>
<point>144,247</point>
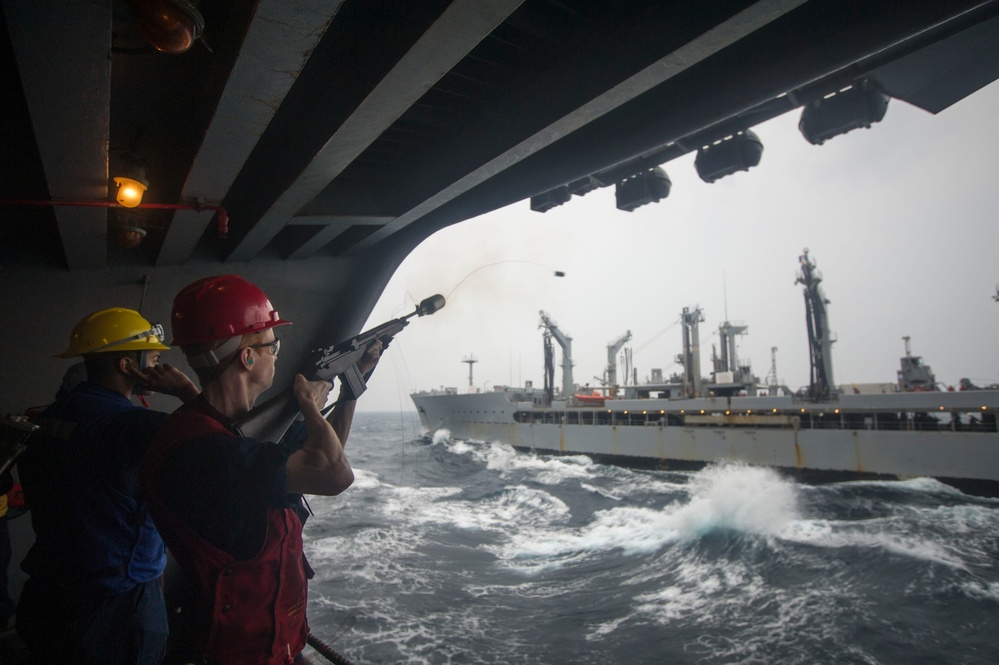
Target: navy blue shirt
<point>80,480</point>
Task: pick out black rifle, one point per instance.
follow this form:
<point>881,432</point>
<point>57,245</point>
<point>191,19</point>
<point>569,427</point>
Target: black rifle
<point>271,419</point>
<point>14,431</point>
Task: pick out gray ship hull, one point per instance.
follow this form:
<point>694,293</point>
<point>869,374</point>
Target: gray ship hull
<point>950,436</point>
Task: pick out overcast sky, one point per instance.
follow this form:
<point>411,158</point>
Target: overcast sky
<point>900,219</point>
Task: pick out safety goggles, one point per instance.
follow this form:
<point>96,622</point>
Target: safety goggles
<point>274,346</point>
<point>229,349</point>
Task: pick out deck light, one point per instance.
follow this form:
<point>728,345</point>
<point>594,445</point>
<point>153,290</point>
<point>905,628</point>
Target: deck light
<point>702,412</point>
<point>775,410</point>
<point>839,112</point>
<point>941,408</point>
<point>170,26</point>
<point>547,200</point>
<point>737,152</point>
<point>836,411</point>
<point>131,186</point>
<point>802,410</point>
<point>129,237</point>
<point>646,187</point>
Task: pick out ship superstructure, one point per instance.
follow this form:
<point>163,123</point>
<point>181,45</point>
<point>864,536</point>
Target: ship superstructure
<point>902,429</point>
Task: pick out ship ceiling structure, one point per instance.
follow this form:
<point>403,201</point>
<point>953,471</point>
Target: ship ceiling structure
<point>326,127</point>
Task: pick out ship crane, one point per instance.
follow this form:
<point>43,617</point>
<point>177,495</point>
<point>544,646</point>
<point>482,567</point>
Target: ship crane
<point>612,350</point>
<point>819,339</point>
<point>691,357</point>
<point>566,343</point>
<point>729,361</point>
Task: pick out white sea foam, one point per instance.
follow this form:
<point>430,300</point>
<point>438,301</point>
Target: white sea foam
<point>543,469</point>
<point>922,484</point>
<point>363,555</point>
<point>737,498</point>
<point>701,589</point>
<point>981,590</point>
<point>637,484</point>
<point>514,509</point>
<point>416,505</point>
<point>366,480</point>
<point>912,532</point>
<point>714,595</point>
<point>613,496</point>
<point>740,498</point>
<point>441,435</point>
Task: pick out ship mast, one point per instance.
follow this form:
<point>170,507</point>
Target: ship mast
<point>566,343</point>
<point>612,350</point>
<point>819,339</point>
<point>471,360</point>
<point>691,358</point>
<point>549,349</point>
<point>729,355</point>
<point>772,376</point>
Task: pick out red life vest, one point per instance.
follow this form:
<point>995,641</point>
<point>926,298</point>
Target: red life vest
<point>250,611</point>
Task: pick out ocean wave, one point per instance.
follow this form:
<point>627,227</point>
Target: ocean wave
<point>472,553</point>
<point>725,498</point>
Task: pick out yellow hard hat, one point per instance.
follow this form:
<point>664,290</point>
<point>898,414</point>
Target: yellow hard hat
<point>114,329</point>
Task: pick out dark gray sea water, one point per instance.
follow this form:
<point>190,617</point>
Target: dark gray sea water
<point>456,552</point>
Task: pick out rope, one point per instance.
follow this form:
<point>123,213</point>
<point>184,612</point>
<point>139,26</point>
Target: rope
<point>327,651</point>
<point>558,273</point>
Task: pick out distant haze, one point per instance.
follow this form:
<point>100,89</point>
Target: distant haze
<point>900,219</point>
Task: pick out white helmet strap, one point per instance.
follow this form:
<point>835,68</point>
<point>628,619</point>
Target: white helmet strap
<point>215,356</point>
<point>156,331</point>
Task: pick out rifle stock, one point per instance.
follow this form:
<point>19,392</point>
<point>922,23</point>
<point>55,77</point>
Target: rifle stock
<point>271,419</point>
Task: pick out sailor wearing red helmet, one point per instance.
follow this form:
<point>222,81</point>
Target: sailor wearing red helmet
<point>228,506</point>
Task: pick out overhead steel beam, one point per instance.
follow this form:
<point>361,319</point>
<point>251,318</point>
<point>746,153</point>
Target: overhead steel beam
<point>458,30</point>
<point>69,98</point>
<point>707,44</point>
<point>334,226</point>
<point>821,57</point>
<point>281,37</point>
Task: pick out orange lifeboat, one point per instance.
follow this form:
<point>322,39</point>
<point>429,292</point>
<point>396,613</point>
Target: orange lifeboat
<point>595,398</point>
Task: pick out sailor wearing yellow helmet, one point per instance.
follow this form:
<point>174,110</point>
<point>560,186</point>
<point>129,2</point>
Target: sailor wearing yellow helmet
<point>94,593</point>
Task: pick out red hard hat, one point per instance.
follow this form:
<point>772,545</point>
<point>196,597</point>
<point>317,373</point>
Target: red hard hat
<point>220,307</point>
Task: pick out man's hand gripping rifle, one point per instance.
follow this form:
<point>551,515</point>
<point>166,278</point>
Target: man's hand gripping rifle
<point>341,358</point>
<point>272,419</point>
